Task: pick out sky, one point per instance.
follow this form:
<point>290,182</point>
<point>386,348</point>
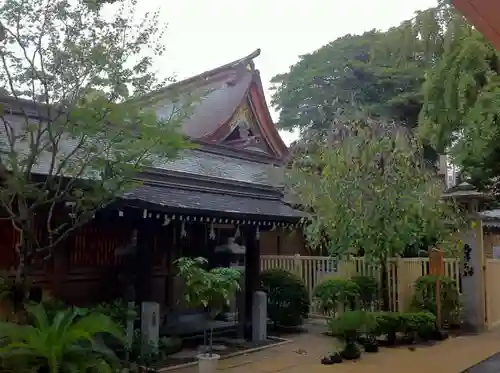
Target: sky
<point>203,34</point>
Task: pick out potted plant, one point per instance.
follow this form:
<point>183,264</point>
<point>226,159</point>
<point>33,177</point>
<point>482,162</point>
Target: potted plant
<point>211,289</point>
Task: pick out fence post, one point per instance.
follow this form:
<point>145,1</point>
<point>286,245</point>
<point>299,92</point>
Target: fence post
<point>297,264</point>
<point>400,282</point>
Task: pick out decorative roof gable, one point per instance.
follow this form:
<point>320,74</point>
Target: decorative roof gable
<point>229,96</point>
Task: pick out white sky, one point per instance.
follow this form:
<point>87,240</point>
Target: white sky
<point>205,34</point>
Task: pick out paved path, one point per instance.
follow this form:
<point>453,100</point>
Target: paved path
<point>302,356</point>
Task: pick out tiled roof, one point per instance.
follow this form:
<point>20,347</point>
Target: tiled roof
<point>174,198</point>
<point>222,166</point>
<point>216,103</point>
<point>194,161</point>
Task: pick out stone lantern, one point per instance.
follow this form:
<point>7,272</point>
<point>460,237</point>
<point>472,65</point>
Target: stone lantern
<point>468,197</point>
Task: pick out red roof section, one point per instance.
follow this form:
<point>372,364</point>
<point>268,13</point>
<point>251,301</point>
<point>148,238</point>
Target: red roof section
<point>484,15</point>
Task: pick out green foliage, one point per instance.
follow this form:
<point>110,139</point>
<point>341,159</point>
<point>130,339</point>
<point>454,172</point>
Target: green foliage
<point>332,293</point>
<point>287,297</point>
<point>210,289</point>
<point>459,94</point>
<point>78,76</point>
<point>170,345</point>
<point>370,191</point>
<point>68,343</point>
<point>424,298</point>
<point>54,306</point>
<point>368,288</point>
<point>421,324</point>
<point>147,355</point>
<point>351,325</point>
<point>118,310</point>
<point>352,74</point>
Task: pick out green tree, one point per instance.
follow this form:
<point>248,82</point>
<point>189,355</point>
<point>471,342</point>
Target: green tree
<point>211,289</point>
<point>370,192</point>
<point>75,130</point>
<point>351,74</point>
<point>376,74</point>
<point>461,99</point>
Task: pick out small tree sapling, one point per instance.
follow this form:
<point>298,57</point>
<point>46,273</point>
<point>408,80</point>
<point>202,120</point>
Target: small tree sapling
<point>211,289</point>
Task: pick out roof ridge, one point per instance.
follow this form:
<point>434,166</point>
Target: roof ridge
<point>204,75</point>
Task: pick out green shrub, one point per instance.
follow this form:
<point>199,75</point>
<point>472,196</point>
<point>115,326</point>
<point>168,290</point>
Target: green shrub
<point>68,343</point>
<point>170,345</point>
<point>287,297</point>
<point>368,291</point>
<point>412,324</point>
<point>117,309</point>
<point>334,292</point>
<point>424,298</point>
<point>422,324</point>
<point>350,325</point>
<point>54,306</point>
<point>388,324</point>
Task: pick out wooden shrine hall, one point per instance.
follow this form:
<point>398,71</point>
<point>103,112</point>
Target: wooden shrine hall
<point>224,191</point>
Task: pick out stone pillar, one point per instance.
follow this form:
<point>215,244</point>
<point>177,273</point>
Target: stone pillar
<point>472,275</point>
<point>259,316</point>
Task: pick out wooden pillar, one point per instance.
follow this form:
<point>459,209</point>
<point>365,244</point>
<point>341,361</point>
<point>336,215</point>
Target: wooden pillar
<point>144,259</point>
<point>171,255</point>
<point>60,263</point>
<point>252,274</point>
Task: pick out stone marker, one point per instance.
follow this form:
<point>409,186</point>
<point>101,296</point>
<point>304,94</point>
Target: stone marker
<point>150,324</point>
<point>259,316</point>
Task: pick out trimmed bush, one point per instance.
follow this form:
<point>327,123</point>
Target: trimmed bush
<point>367,291</point>
<point>348,327</point>
<point>352,325</point>
<point>334,292</point>
<point>424,298</point>
<point>287,297</point>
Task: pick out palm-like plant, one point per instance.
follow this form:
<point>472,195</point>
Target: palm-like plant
<point>67,343</point>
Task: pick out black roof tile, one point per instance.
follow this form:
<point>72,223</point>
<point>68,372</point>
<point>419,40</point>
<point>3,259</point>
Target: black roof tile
<point>173,198</point>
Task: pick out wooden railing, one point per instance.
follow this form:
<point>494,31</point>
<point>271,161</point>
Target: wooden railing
<point>401,273</point>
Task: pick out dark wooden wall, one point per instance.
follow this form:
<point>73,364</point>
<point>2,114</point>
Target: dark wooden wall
<point>85,269</point>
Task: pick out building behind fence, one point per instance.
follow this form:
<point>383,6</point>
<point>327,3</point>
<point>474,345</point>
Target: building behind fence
<point>401,273</point>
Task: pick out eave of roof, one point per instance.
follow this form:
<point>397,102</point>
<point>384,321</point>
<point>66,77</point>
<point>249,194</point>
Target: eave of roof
<point>484,15</point>
<point>183,201</point>
<point>204,75</point>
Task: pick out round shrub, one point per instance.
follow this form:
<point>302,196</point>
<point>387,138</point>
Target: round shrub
<point>333,292</point>
<point>368,290</point>
<point>287,297</point>
<point>350,325</point>
<point>424,298</point>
